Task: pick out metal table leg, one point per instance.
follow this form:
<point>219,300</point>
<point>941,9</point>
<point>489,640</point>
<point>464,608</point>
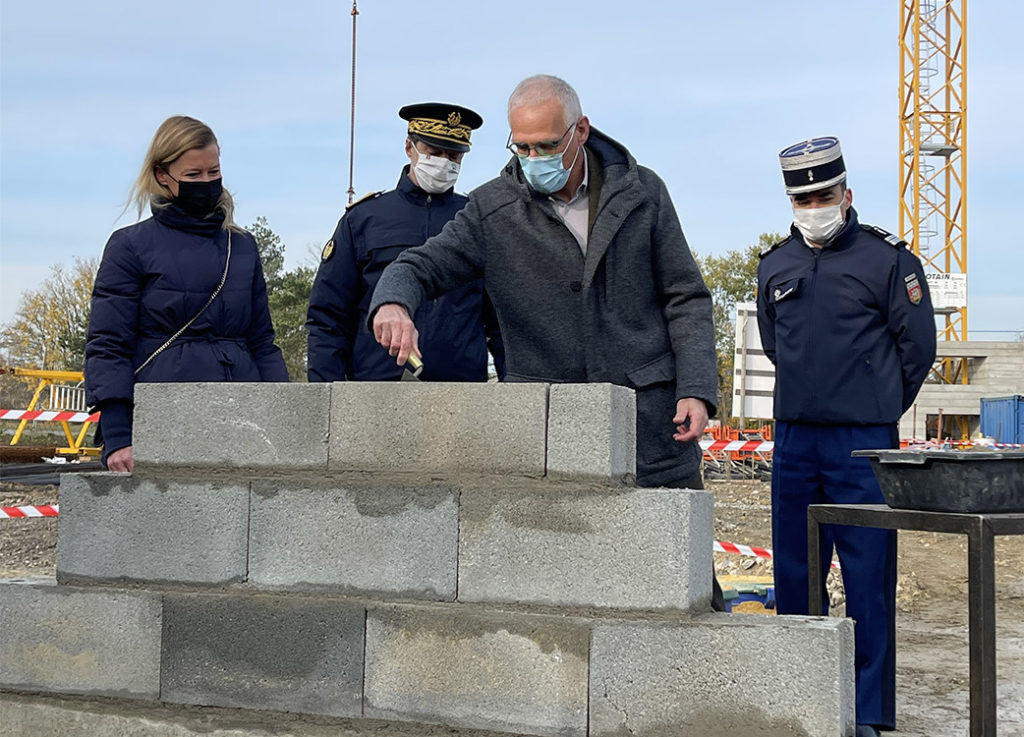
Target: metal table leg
<point>814,582</point>
<point>982,628</point>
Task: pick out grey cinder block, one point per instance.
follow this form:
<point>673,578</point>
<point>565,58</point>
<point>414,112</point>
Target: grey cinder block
<point>592,432</point>
<point>421,428</point>
<point>231,425</point>
<point>647,549</point>
<point>116,527</point>
<point>508,672</point>
<point>292,653</point>
<point>79,641</point>
<point>384,539</point>
<point>723,675</point>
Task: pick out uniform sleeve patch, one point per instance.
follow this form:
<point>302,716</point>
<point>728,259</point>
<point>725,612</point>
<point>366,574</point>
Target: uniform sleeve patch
<point>328,251</point>
<point>914,293</point>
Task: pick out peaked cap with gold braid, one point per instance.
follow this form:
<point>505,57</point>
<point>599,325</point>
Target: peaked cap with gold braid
<point>441,124</point>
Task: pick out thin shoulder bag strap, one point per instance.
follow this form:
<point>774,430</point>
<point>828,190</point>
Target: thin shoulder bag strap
<point>186,326</point>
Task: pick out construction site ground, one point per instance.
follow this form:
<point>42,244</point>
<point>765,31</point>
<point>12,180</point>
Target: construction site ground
<point>932,662</point>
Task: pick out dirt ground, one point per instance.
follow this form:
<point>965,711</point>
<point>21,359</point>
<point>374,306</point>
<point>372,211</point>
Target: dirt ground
<point>932,666</point>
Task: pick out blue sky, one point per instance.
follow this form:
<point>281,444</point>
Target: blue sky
<point>704,93</point>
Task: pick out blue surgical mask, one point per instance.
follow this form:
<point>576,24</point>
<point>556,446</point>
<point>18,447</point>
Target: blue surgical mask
<point>545,174</point>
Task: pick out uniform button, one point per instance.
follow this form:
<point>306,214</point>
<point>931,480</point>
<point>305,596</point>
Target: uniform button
<point>575,286</point>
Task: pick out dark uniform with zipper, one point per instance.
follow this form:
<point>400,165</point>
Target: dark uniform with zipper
<point>851,332</point>
<point>456,330</point>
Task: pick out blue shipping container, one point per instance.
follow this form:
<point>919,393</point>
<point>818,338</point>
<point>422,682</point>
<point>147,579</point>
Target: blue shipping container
<point>1002,418</point>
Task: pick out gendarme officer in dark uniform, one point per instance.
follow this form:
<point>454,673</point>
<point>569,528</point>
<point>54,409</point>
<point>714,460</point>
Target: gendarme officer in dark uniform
<point>456,329</point>
<point>844,314</point>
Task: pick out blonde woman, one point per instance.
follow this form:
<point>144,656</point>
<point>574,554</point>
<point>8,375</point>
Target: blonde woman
<point>179,296</point>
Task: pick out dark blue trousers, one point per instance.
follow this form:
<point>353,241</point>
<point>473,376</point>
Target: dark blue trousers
<point>811,464</point>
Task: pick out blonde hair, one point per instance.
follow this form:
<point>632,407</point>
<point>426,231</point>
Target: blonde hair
<point>174,137</point>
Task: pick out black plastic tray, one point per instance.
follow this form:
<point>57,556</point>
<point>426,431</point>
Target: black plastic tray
<point>936,480</point>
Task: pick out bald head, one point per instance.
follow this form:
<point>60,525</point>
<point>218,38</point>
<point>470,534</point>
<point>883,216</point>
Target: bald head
<point>543,87</point>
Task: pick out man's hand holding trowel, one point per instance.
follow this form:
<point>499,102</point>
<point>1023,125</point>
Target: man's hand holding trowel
<point>394,329</point>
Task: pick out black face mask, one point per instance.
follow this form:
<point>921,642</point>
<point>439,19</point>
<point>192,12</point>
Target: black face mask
<point>199,199</point>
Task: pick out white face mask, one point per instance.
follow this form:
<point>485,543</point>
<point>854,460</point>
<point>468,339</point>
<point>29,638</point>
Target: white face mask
<point>435,174</point>
<point>819,224</point>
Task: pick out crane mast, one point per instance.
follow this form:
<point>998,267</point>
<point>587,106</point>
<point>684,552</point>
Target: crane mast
<point>933,155</point>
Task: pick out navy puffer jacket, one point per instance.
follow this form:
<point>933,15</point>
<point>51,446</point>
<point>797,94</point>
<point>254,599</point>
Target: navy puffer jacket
<point>154,277</point>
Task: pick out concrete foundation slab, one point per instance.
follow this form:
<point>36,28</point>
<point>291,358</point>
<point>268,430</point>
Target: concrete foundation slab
<point>64,639</point>
<point>511,672</point>
<point>723,675</point>
<point>231,425</point>
<point>387,540</point>
<point>420,428</point>
<point>648,549</point>
<point>116,527</point>
<point>263,652</point>
<point>48,716</point>
<point>592,432</point>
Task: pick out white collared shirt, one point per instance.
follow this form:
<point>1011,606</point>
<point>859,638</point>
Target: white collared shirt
<point>575,214</point>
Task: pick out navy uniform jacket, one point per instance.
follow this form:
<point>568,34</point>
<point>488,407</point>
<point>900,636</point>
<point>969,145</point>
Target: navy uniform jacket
<point>849,327</point>
<point>454,329</point>
<point>154,277</point>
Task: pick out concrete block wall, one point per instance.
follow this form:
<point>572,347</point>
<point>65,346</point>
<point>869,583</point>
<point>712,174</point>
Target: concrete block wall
<point>527,543</point>
<point>414,428</point>
<point>470,667</point>
<point>471,556</point>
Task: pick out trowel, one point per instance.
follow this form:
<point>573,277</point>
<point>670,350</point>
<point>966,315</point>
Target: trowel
<point>413,368</point>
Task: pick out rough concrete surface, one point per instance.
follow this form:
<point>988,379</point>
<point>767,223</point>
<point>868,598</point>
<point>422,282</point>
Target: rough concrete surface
<point>505,671</point>
<point>231,425</point>
<point>421,428</point>
<point>116,527</point>
<point>592,432</point>
<point>66,639</point>
<point>721,674</point>
<point>263,652</point>
<point>647,549</point>
<point>48,716</point>
<point>388,540</point>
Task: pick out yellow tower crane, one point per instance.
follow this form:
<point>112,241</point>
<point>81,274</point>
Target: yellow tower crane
<point>933,159</point>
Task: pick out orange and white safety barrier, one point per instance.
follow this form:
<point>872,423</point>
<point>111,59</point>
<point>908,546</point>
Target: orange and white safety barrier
<point>36,415</point>
<point>45,510</point>
<point>750,551</point>
<point>745,445</point>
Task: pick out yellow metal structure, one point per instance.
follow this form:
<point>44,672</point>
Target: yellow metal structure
<point>933,143</point>
<point>933,155</point>
<point>76,444</point>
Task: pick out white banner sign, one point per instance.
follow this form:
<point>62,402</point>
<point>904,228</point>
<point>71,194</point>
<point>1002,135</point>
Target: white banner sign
<point>948,291</point>
<point>754,377</point>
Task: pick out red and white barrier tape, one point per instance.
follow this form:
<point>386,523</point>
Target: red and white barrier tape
<point>747,445</point>
<point>48,416</point>
<point>45,510</point>
<point>748,550</point>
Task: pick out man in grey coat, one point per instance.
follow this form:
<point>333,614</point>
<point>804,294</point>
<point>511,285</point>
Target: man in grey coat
<point>592,280</point>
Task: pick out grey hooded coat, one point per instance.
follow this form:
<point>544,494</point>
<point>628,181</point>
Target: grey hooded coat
<point>634,311</point>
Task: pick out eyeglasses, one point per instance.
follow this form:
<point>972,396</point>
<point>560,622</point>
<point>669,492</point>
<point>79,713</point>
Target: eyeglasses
<point>543,148</point>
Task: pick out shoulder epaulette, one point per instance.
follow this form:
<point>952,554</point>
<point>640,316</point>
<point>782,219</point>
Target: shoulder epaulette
<point>364,198</point>
<point>773,246</point>
<point>893,240</point>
